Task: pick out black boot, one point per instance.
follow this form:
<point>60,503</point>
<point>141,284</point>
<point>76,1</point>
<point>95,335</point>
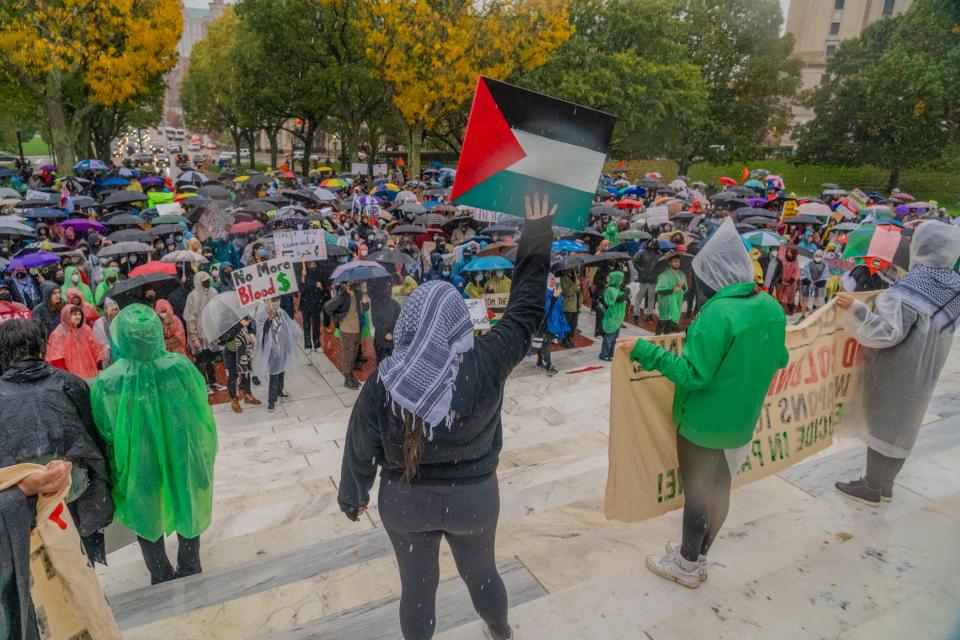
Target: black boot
<point>350,382</point>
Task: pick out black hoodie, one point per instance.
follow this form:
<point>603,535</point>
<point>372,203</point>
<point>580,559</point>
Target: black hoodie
<point>49,318</point>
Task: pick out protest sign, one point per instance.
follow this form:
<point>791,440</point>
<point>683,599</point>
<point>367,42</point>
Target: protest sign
<point>169,209</point>
<point>484,215</point>
<point>156,198</point>
<point>301,246</point>
<point>519,142</point>
<point>39,196</point>
<point>658,215</point>
<point>265,280</point>
<point>360,169</point>
<point>497,303</point>
<point>803,407</point>
<point>478,314</point>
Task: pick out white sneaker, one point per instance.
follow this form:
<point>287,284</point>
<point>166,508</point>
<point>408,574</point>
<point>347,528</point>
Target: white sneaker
<point>673,547</point>
<point>209,390</point>
<point>488,634</point>
<point>671,566</point>
<point>219,387</point>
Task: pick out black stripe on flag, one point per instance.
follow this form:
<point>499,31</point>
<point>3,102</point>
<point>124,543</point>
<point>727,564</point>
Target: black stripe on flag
<point>552,118</point>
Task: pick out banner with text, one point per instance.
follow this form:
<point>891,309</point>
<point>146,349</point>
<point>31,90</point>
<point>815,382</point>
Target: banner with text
<point>265,280</point>
<point>301,246</point>
<point>478,314</point>
<point>496,303</point>
<point>801,411</point>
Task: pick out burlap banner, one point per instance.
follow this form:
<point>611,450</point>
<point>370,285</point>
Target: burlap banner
<point>799,416</point>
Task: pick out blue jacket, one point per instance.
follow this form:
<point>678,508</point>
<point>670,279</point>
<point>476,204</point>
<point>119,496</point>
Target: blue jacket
<point>556,321</point>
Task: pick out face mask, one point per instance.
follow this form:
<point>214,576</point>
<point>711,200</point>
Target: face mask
<point>111,278</point>
<point>151,295</point>
<point>262,253</point>
<point>178,238</point>
<point>5,296</point>
<point>74,278</point>
<point>209,258</point>
<point>20,276</point>
<point>478,278</point>
<point>163,315</point>
<point>205,284</point>
<point>499,273</point>
<point>446,273</point>
<point>133,259</point>
<point>817,259</point>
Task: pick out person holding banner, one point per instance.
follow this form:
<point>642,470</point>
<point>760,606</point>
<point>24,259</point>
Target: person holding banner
<point>431,420</point>
<point>731,353</point>
<point>907,336</point>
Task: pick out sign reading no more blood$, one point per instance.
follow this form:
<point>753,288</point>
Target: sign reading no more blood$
<point>265,280</point>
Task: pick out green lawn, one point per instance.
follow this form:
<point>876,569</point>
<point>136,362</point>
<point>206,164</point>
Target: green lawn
<point>805,179</point>
<point>35,147</point>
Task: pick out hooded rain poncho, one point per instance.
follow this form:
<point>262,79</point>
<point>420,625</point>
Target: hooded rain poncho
<point>68,284</point>
<point>613,298</point>
<point>151,409</point>
<point>74,349</point>
<point>907,336</point>
<point>277,343</point>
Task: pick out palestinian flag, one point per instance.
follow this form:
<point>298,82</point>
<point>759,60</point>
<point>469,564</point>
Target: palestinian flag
<point>519,142</point>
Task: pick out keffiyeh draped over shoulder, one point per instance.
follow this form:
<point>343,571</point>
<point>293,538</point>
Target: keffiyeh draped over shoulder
<point>932,286</point>
<point>431,335</point>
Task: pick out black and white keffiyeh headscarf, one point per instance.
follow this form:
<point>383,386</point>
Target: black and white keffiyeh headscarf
<point>431,335</point>
<point>932,285</point>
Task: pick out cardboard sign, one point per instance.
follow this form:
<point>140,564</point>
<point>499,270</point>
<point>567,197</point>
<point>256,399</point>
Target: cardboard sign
<point>484,215</point>
<point>803,407</point>
<point>301,246</point>
<point>497,303</point>
<point>478,314</point>
<point>39,196</point>
<point>264,281</point>
<point>658,215</point>
<point>360,168</point>
<point>169,209</point>
<point>519,142</point>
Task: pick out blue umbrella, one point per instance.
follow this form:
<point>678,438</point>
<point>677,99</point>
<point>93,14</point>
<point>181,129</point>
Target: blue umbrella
<point>559,246</point>
<point>632,189</point>
<point>436,164</point>
<point>489,263</point>
<point>93,165</point>
<point>359,270</point>
<point>115,182</point>
<point>666,244</point>
<point>630,246</point>
<point>45,212</point>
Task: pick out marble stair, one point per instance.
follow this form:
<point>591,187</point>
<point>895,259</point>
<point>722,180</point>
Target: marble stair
<point>795,560</point>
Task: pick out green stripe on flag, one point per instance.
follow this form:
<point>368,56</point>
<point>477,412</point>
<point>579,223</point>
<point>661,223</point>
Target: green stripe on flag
<point>507,190</point>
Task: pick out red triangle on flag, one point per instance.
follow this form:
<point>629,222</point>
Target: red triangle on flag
<point>489,145</point>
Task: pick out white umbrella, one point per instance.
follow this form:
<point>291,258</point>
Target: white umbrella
<point>817,209</point>
<point>222,313</point>
<point>405,196</point>
<point>324,195</point>
<point>184,256</point>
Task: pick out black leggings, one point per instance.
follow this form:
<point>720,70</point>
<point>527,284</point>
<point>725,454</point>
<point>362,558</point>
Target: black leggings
<point>706,488</point>
<point>416,518</point>
<point>205,362</point>
<point>312,323</point>
<point>155,556</point>
<point>881,470</point>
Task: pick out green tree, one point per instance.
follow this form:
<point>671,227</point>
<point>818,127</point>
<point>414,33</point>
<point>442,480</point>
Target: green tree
<point>749,76</point>
<point>625,58</point>
<point>892,96</point>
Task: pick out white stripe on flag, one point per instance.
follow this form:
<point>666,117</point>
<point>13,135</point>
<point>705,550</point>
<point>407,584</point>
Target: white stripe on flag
<point>558,162</point>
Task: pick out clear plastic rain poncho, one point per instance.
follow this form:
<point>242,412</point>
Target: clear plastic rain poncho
<point>223,313</point>
<point>276,349</point>
<point>151,408</point>
<point>907,337</point>
<point>724,260</point>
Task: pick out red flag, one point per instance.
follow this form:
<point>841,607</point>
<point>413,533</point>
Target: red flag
<point>400,162</point>
<point>745,175</point>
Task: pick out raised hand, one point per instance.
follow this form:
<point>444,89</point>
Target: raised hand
<point>538,209</point>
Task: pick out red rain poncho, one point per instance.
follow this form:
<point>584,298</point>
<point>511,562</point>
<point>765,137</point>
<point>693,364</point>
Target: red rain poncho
<point>174,335</point>
<point>75,350</point>
<point>90,315</point>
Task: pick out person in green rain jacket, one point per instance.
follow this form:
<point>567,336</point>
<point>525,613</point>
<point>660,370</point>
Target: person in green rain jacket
<point>731,353</point>
<point>151,409</point>
<point>73,280</point>
<point>110,276</point>
<point>612,233</point>
<point>670,289</point>
<point>615,300</point>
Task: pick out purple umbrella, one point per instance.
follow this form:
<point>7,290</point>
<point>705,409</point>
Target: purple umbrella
<point>34,260</point>
<point>756,202</point>
<point>151,180</point>
<point>53,167</point>
<point>82,225</point>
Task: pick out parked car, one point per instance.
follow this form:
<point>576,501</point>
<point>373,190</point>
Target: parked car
<point>142,158</point>
<point>193,147</point>
<point>173,147</point>
<point>227,156</point>
<point>244,153</point>
<point>162,160</point>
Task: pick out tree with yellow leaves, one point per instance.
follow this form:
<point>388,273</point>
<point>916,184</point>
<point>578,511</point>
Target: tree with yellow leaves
<point>430,52</point>
<point>78,56</point>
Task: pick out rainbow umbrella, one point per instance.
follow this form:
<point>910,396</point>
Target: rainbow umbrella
<point>337,183</point>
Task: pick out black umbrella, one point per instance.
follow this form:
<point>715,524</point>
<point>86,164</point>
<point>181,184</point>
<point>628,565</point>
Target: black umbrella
<point>452,222</point>
<point>804,220</point>
<point>165,230</point>
<point>685,217</point>
<point>408,229</point>
<point>603,210</point>
<point>124,219</point>
<point>214,191</point>
<point>130,235</point>
<point>745,228</point>
<point>258,206</point>
<point>257,180</point>
<point>84,202</point>
<point>654,185</point>
<point>335,250</point>
<point>686,262</point>
<point>413,208</point>
<point>388,256</point>
<point>758,220</point>
<point>131,290</point>
<point>299,194</point>
<point>13,228</point>
<point>124,197</point>
<point>123,248</point>
<point>169,219</point>
<point>431,219</point>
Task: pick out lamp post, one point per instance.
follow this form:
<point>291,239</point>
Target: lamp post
<point>20,145</point>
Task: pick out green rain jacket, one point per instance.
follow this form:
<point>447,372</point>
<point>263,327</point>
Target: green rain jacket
<point>104,286</point>
<point>80,286</point>
<point>731,353</point>
<point>612,233</point>
<point>615,300</point>
<point>151,408</point>
<point>670,301</point>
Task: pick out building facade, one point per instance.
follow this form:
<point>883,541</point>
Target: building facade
<point>818,26</point>
<point>195,24</point>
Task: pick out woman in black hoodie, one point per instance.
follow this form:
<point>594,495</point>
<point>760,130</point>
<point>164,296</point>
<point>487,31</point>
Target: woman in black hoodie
<point>431,419</point>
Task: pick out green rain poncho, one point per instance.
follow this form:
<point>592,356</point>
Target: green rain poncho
<point>612,233</point>
<point>68,283</point>
<point>613,298</point>
<point>105,285</point>
<point>151,408</point>
<point>669,300</point>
